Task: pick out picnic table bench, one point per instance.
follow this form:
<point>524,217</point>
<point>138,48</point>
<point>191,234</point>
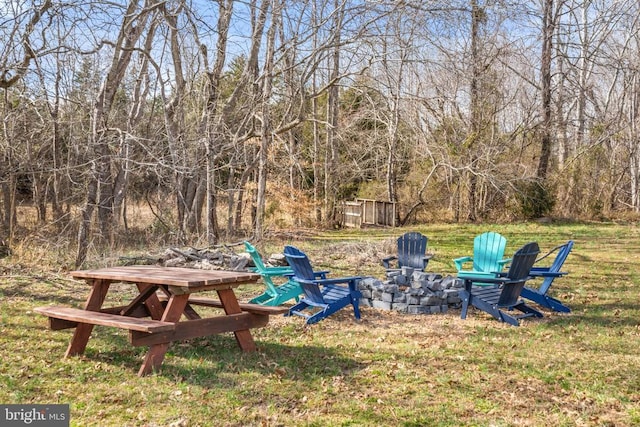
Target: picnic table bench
<point>163,310</point>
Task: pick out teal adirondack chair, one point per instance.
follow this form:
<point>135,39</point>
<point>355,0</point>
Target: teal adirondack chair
<point>274,294</point>
<point>487,259</point>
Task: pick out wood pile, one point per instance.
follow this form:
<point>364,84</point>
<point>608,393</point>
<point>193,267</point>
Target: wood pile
<point>204,259</point>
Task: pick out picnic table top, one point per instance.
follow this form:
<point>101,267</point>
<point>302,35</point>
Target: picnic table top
<point>172,276</point>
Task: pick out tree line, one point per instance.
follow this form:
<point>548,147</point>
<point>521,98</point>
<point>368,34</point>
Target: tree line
<point>218,114</point>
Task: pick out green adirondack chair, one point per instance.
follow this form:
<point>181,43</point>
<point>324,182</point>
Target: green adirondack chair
<point>274,294</point>
<point>487,259</point>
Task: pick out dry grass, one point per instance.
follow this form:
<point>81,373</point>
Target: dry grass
<point>580,369</point>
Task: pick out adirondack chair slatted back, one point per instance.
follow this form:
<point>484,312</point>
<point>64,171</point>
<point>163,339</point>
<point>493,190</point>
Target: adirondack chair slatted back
<point>412,247</point>
<point>563,252</point>
<point>488,249</point>
<point>255,257</point>
<point>303,271</point>
<point>521,264</point>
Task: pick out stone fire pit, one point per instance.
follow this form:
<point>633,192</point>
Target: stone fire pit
<point>412,292</point>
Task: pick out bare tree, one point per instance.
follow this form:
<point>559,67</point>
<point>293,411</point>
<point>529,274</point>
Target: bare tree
<point>100,191</point>
<point>23,20</point>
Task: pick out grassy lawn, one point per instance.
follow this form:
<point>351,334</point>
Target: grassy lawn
<point>390,369</point>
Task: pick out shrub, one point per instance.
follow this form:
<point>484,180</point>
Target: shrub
<point>536,198</point>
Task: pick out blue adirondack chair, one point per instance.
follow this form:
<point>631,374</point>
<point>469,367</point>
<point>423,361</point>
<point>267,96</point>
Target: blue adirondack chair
<point>322,296</point>
<point>548,274</point>
<point>274,294</point>
<point>487,259</point>
<point>501,299</point>
<point>412,248</point>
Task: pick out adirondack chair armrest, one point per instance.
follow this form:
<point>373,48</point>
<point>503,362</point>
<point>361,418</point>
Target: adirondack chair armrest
<point>460,261</point>
<point>469,281</point>
<point>543,273</point>
<point>498,278</point>
<point>386,261</point>
<point>425,260</point>
<point>351,281</point>
<point>335,281</point>
<point>499,275</point>
<point>321,274</point>
<point>276,271</point>
<point>539,270</point>
<point>504,262</point>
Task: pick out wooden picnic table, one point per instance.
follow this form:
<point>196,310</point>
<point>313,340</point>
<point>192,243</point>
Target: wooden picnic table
<point>162,311</point>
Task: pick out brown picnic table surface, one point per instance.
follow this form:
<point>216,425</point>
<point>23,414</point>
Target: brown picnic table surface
<point>163,310</point>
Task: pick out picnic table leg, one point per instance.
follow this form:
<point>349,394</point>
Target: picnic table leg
<point>153,304</point>
<point>94,302</point>
<point>189,312</point>
<point>231,306</point>
<point>155,355</point>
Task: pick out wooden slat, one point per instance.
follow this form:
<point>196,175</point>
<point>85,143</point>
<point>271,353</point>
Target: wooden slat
<point>489,294</point>
<point>60,324</point>
<point>244,306</point>
<point>202,328</point>
<point>140,311</point>
<point>105,319</point>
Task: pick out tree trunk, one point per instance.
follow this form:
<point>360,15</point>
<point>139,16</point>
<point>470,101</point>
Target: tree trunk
<point>476,113</point>
<point>333,113</point>
<point>545,71</point>
<point>266,128</point>
<point>85,225</point>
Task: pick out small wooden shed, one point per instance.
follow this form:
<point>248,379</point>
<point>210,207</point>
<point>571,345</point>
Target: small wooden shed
<point>367,213</point>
